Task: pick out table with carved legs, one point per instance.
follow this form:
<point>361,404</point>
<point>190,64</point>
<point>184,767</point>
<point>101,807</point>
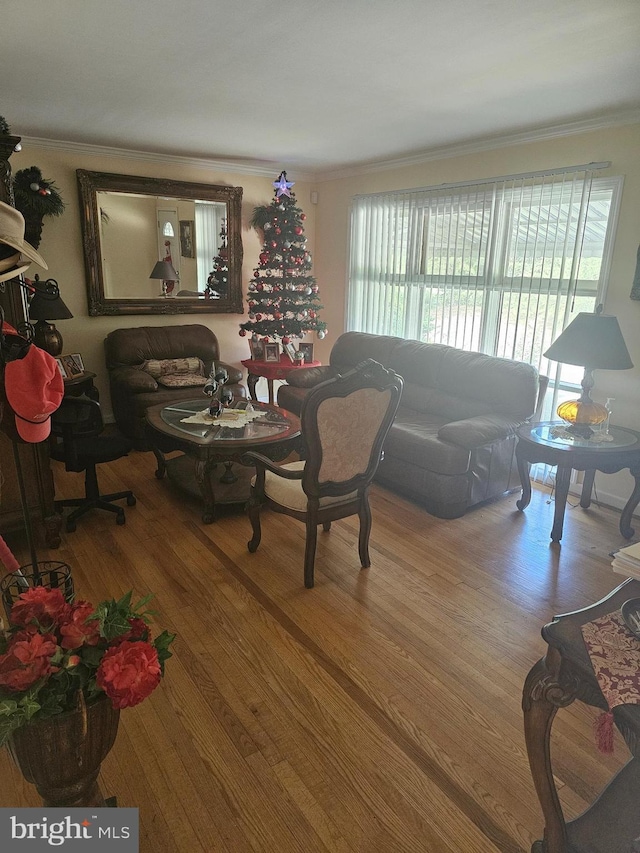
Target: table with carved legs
<point>538,443</point>
<point>212,450</point>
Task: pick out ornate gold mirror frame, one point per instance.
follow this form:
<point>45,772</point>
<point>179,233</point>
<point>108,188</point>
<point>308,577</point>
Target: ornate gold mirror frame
<point>95,187</point>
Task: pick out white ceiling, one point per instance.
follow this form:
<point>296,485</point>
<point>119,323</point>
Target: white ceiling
<point>313,84</point>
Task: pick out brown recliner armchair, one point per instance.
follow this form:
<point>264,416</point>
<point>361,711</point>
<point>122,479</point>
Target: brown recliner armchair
<point>134,389</point>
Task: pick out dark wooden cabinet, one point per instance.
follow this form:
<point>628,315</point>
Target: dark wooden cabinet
<point>34,462</point>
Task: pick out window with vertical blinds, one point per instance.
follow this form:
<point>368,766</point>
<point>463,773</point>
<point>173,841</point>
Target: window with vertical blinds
<point>499,267</point>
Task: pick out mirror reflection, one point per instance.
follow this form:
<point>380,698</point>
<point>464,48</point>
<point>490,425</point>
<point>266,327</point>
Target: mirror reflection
<point>138,230</point>
<point>154,246</point>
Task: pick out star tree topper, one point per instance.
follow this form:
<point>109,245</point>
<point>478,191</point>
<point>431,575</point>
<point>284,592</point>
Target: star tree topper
<point>282,185</point>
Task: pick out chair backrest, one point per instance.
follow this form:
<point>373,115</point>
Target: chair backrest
<point>77,418</point>
<point>345,422</point>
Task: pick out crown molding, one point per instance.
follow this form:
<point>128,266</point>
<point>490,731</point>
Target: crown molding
<point>261,169</point>
<point>266,169</point>
<point>488,143</point>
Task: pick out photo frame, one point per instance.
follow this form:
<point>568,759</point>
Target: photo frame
<point>290,351</point>
<point>61,368</point>
<point>257,350</point>
<point>187,238</point>
<point>307,351</point>
<point>73,365</point>
<point>272,352</point>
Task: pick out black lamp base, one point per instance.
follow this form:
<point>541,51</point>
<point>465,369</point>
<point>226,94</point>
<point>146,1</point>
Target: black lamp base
<point>48,338</point>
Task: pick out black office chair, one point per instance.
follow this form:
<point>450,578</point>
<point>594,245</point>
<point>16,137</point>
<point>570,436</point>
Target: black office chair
<point>76,441</point>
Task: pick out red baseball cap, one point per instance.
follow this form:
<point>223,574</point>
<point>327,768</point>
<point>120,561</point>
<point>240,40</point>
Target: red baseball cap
<point>34,390</point>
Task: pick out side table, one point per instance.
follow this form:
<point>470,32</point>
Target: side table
<point>271,370</point>
<point>612,823</point>
<point>536,443</point>
<point>82,384</point>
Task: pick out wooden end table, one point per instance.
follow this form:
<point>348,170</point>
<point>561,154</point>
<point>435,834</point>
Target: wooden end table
<point>80,384</point>
<point>271,370</point>
<point>612,823</point>
<point>537,443</point>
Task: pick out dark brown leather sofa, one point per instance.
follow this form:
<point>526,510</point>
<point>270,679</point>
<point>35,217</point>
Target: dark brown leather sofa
<point>133,390</point>
<point>452,443</point>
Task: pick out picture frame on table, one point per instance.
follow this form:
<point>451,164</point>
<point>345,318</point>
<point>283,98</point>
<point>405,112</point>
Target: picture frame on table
<point>61,368</point>
<point>187,238</point>
<point>307,351</point>
<point>290,351</point>
<point>73,365</point>
<point>257,350</point>
<point>272,352</point>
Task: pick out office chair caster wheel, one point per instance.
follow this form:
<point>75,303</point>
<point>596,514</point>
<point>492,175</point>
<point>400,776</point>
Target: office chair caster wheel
<point>120,517</point>
<point>70,526</point>
<point>131,501</point>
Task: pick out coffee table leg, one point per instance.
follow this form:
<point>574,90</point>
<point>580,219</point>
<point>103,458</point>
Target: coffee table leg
<point>563,479</point>
<point>203,479</point>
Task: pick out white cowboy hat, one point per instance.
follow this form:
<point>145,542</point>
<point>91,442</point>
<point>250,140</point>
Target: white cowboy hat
<point>12,234</point>
<point>12,266</point>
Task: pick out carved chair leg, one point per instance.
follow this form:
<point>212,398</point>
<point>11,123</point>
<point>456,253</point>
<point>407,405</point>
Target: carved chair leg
<point>253,511</point>
<point>364,514</point>
<point>542,696</point>
<point>326,526</point>
<point>310,548</point>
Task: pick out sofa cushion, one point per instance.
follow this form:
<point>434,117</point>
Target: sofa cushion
<point>176,372</point>
<point>413,437</point>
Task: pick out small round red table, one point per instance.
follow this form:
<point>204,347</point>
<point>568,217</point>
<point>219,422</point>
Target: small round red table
<point>271,370</point>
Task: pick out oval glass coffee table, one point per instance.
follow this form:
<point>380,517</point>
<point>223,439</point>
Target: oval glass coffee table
<point>213,465</point>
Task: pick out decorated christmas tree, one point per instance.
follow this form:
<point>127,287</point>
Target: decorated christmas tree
<point>218,281</point>
<point>283,296</point>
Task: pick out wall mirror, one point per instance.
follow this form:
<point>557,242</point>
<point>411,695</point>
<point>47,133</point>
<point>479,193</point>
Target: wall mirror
<point>130,223</point>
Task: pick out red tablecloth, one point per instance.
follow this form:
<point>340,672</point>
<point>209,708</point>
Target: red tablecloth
<point>274,369</point>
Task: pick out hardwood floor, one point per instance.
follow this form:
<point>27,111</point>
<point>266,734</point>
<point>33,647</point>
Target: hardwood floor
<point>378,713</point>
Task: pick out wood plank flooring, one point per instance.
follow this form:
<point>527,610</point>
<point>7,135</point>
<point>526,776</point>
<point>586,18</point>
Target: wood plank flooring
<point>377,713</point>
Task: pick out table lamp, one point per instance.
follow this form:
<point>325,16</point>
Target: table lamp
<point>46,304</point>
<point>164,271</point>
<point>592,341</point>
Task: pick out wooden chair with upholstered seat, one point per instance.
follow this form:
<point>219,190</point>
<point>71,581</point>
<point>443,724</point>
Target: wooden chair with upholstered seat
<point>344,423</point>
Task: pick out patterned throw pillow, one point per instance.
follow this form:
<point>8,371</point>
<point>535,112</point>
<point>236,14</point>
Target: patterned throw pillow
<point>163,367</point>
<point>176,372</point>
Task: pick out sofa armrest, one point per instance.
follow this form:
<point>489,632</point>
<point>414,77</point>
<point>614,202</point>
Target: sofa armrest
<point>235,375</point>
<point>308,377</point>
<point>476,432</point>
<point>136,381</point>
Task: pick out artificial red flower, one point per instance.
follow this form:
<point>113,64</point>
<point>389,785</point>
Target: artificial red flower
<point>128,673</point>
<point>39,604</point>
<point>27,659</point>
<point>138,630</point>
<point>77,631</point>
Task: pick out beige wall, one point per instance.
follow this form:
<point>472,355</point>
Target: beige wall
<point>620,145</point>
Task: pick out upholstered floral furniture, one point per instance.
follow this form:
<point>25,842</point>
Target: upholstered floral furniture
<point>452,443</point>
<point>149,365</point>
